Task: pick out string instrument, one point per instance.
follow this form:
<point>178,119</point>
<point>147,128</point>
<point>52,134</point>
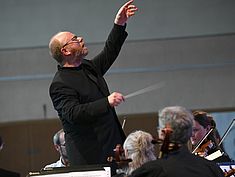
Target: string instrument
<point>230,172</point>
<point>166,145</point>
<point>119,157</point>
<point>202,151</point>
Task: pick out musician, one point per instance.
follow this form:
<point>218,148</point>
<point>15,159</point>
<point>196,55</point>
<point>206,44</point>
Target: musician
<point>179,162</point>
<point>139,149</point>
<point>59,145</point>
<point>80,94</point>
<point>202,124</point>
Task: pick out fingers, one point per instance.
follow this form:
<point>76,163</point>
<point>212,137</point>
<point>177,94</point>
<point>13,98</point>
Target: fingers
<point>130,10</point>
<point>128,3</point>
<point>126,11</point>
<point>115,99</point>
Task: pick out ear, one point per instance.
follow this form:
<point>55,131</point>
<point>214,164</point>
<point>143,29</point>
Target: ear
<point>126,153</point>
<point>57,147</point>
<point>65,51</point>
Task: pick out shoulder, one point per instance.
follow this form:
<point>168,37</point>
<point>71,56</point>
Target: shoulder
<point>149,169</point>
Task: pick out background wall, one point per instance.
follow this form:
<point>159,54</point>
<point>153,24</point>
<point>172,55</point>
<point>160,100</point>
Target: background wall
<point>196,73</point>
<point>186,45</point>
<point>28,23</point>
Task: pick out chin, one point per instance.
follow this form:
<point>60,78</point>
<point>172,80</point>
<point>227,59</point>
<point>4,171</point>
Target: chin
<point>85,52</point>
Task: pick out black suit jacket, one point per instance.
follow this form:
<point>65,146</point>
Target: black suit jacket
<point>180,163</point>
<point>79,95</point>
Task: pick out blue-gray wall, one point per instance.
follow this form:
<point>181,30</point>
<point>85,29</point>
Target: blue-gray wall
<point>187,44</point>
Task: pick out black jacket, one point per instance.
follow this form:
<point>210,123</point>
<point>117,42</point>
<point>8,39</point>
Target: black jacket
<point>177,164</point>
<point>79,95</point>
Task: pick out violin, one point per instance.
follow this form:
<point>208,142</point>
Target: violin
<point>119,157</point>
<point>205,147</point>
<point>202,151</point>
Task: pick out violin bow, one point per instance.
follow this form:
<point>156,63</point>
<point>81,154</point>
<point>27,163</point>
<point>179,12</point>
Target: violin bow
<point>200,142</point>
<point>124,122</point>
<point>227,131</point>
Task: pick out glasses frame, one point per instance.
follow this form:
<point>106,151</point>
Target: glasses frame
<point>74,38</point>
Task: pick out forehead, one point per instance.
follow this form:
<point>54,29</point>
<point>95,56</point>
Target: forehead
<point>196,124</point>
<point>63,36</point>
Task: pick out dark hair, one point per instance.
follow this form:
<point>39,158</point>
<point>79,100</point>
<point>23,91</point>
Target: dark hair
<point>204,119</point>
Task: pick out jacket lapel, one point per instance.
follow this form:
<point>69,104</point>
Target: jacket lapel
<point>93,76</point>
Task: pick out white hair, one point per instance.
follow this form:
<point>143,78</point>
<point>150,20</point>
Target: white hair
<point>139,148</point>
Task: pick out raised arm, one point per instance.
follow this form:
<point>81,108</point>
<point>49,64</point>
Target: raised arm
<point>125,12</point>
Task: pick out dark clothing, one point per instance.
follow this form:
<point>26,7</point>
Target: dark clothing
<point>120,175</point>
<point>7,173</point>
<point>179,163</point>
<point>80,96</point>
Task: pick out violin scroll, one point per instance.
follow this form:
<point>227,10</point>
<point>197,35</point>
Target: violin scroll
<point>166,145</point>
<point>119,157</point>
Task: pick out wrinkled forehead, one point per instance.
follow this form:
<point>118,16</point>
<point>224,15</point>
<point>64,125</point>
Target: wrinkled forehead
<point>63,36</point>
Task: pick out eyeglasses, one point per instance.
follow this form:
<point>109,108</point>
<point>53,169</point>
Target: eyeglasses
<point>73,39</point>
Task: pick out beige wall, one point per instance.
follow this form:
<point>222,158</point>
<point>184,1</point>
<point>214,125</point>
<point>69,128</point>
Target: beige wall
<point>28,145</point>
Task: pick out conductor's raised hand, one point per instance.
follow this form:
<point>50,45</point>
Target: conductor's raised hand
<point>115,99</point>
<point>125,12</point>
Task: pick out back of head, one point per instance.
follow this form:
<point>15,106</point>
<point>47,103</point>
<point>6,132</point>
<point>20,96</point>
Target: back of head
<point>58,138</point>
<point>55,46</point>
<point>139,148</point>
<point>180,120</point>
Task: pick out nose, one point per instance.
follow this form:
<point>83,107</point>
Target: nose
<point>79,38</point>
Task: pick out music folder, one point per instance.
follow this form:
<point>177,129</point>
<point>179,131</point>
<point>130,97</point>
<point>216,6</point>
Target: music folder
<point>79,171</point>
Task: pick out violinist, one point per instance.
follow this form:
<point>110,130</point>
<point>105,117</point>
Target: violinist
<point>179,162</point>
<point>207,141</point>
<point>138,147</point>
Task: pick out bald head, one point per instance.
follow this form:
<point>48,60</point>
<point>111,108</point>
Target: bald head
<point>55,45</point>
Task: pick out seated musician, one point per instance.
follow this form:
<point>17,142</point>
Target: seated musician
<point>138,147</point>
<point>178,162</point>
<point>202,124</point>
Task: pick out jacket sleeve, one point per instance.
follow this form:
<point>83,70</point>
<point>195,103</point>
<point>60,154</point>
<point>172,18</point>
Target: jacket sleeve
<point>66,102</point>
<point>111,50</point>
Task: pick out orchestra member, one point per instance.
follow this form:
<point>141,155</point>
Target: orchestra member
<point>202,124</point>
<point>59,144</point>
<point>179,162</point>
<point>139,149</point>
